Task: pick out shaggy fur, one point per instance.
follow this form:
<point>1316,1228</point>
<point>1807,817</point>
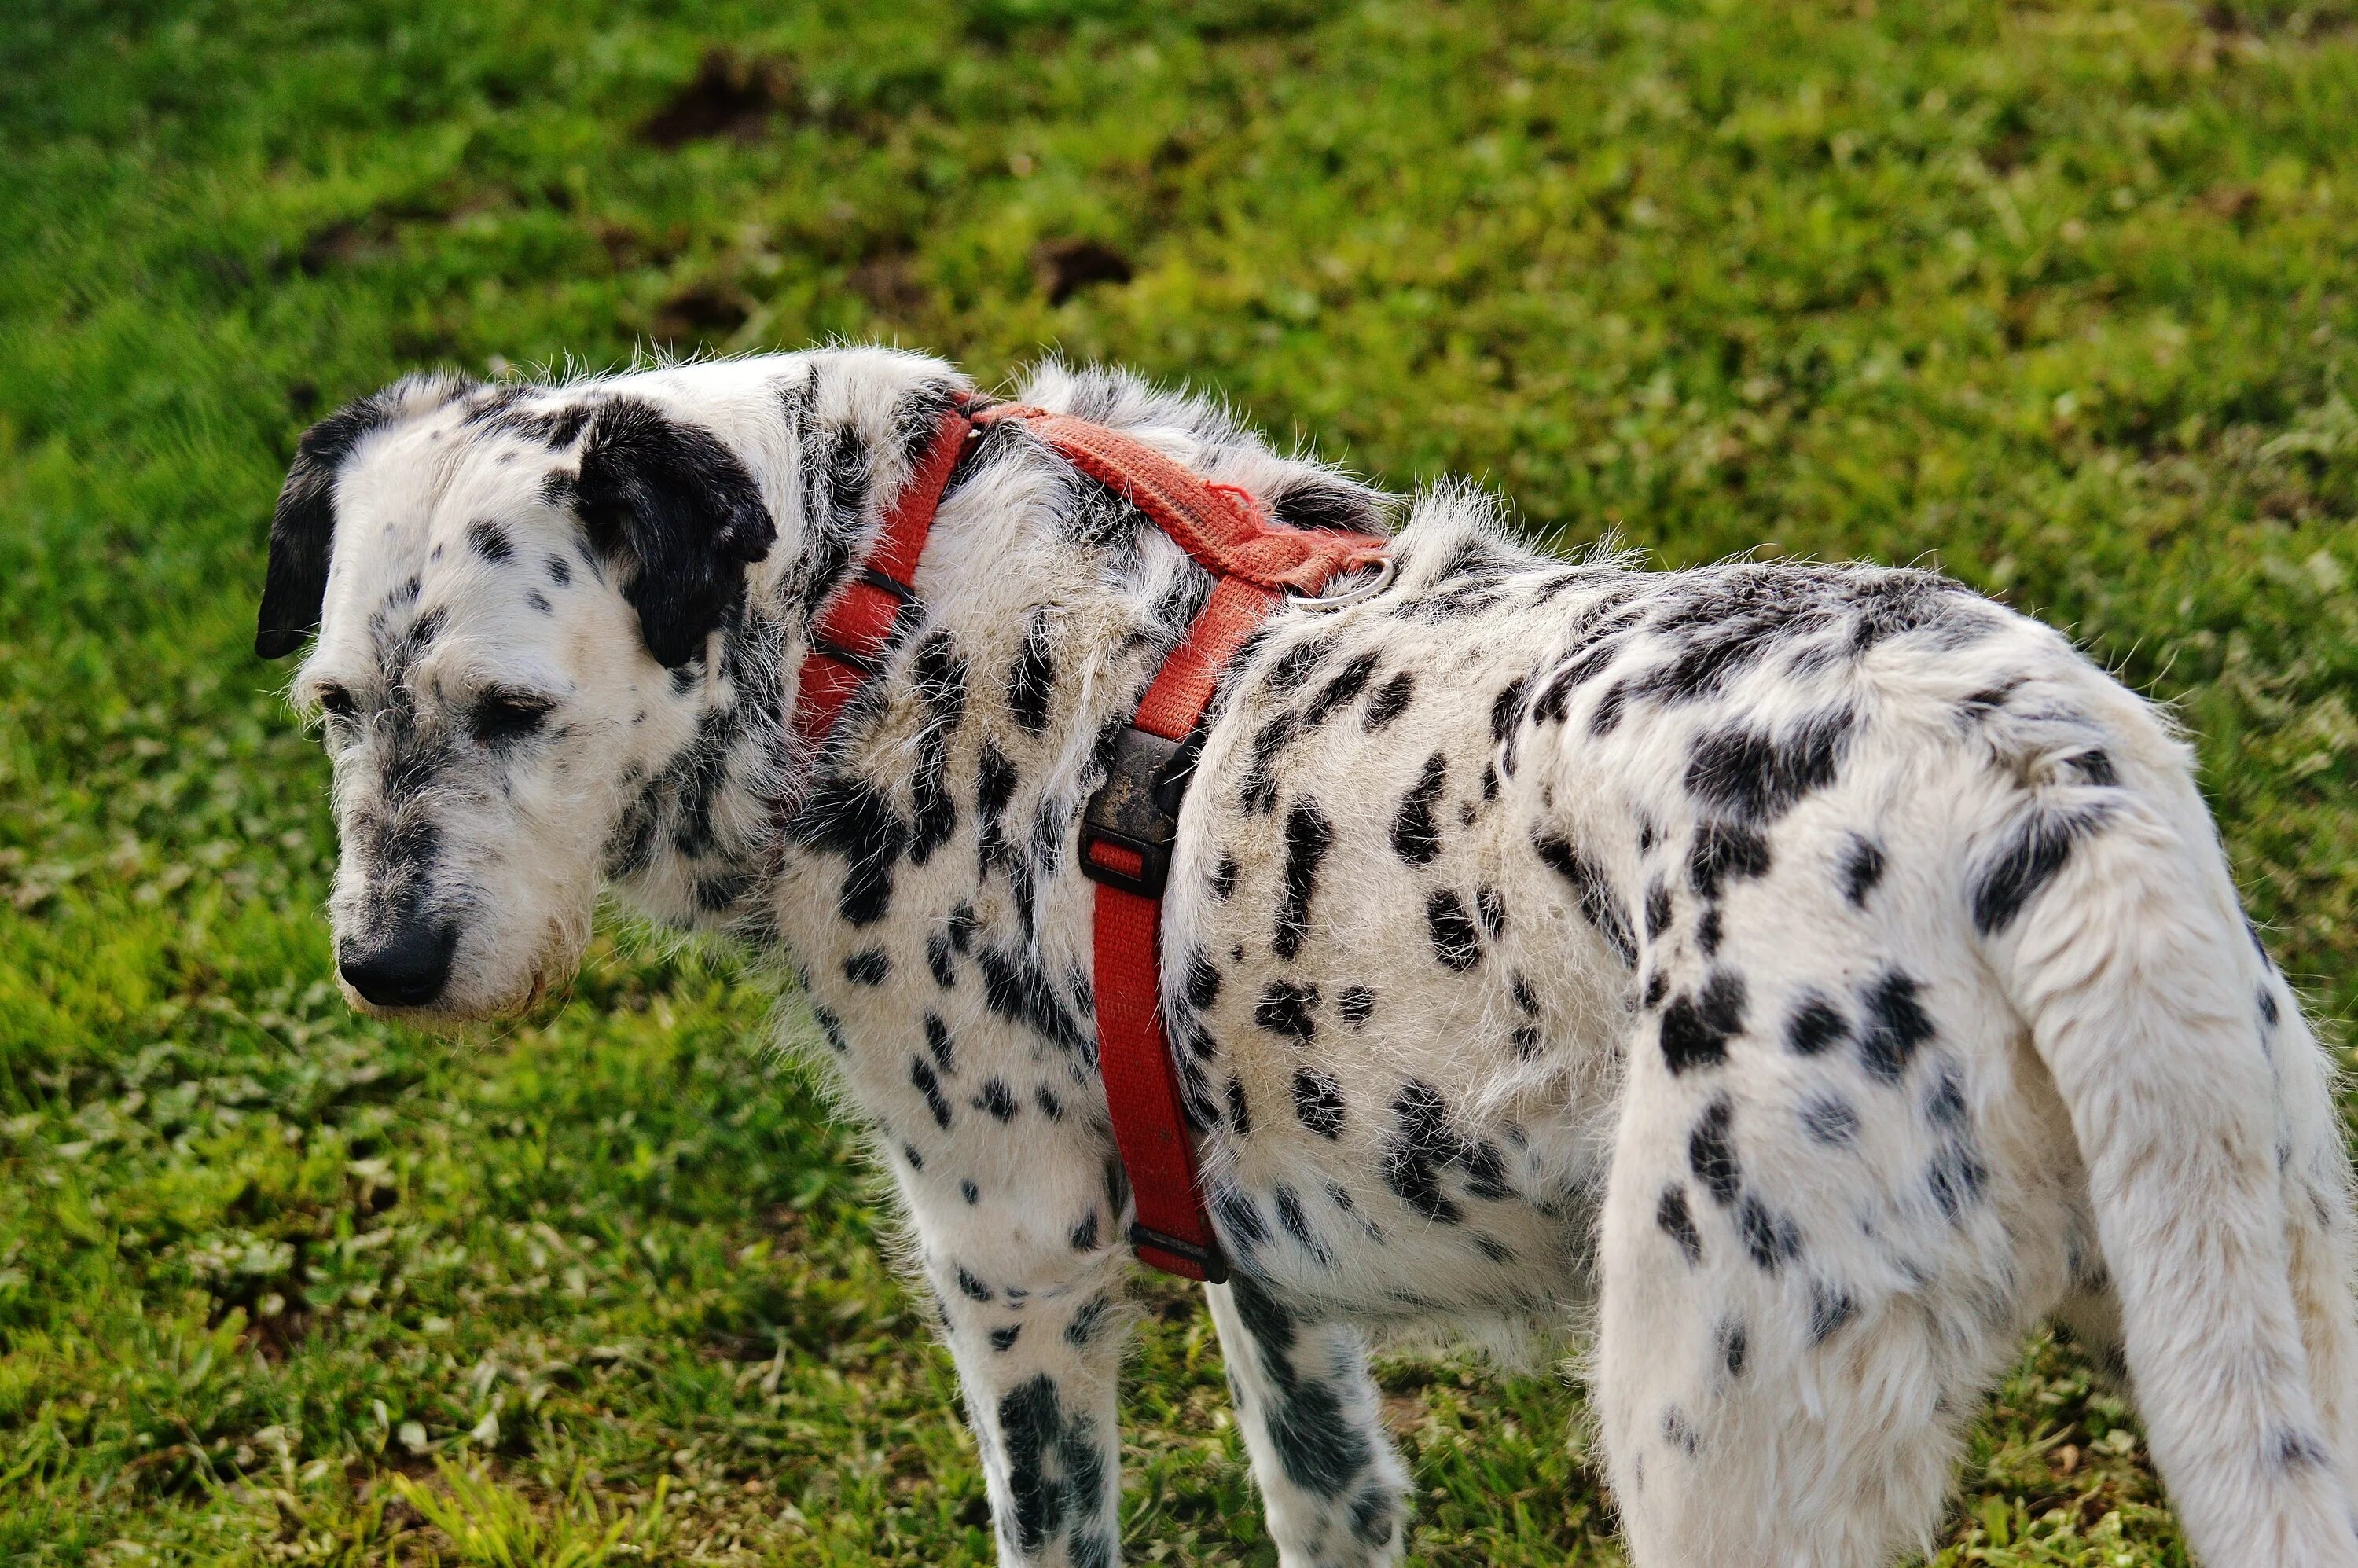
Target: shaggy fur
<point>1811,976</point>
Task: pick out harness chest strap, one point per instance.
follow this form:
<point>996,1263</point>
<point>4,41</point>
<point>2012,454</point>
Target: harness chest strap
<point>1131,823</point>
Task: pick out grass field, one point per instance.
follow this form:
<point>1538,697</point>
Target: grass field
<point>2062,295</point>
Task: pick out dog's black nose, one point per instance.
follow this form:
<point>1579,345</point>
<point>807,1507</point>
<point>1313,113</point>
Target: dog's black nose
<point>406,967</point>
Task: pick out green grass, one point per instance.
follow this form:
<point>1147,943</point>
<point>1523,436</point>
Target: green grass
<point>2062,295</point>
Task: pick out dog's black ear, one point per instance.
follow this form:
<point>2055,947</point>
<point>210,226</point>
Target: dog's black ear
<point>303,528</point>
<point>677,511</point>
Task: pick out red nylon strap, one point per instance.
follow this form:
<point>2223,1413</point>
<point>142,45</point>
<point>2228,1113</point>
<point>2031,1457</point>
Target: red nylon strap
<point>854,628</point>
<point>1150,1125</point>
<point>1226,529</point>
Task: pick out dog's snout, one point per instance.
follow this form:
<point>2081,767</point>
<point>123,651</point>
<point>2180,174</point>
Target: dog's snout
<point>405,966</point>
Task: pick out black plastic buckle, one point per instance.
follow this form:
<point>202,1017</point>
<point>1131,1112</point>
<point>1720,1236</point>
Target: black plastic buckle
<point>1214,1266</point>
<point>1137,808</point>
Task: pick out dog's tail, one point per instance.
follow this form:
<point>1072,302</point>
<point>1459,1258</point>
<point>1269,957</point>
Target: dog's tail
<point>2204,1112</point>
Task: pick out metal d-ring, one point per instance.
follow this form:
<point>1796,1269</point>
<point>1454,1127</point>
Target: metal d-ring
<point>1386,569</point>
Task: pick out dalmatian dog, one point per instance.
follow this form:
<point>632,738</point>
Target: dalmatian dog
<point>1797,981</point>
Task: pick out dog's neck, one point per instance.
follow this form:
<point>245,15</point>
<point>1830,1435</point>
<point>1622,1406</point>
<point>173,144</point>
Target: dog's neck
<point>1027,562</point>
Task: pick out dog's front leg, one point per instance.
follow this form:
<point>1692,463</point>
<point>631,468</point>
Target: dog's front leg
<point>1332,1487</point>
<point>1037,1332</point>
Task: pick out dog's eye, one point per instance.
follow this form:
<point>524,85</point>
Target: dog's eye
<point>499,717</point>
<point>337,703</point>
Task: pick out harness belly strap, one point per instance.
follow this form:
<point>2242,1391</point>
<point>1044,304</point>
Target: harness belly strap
<point>1131,825</point>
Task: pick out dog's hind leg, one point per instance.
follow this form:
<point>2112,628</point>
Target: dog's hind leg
<point>1760,1418</point>
<point>1332,1485</point>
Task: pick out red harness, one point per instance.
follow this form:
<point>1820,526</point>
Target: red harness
<point>1131,822</point>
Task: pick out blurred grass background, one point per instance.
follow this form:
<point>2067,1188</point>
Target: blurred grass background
<point>2058,294</point>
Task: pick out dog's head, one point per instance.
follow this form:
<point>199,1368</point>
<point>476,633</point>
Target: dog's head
<point>516,593</point>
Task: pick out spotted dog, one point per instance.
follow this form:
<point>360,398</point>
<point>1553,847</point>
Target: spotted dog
<point>1802,979</point>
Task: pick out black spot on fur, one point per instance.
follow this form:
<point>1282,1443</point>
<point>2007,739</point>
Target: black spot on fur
<point>1455,943</point>
<point>1050,1106</point>
<point>561,571</point>
<point>1697,1027</point>
<point>831,1027</point>
<point>1756,778</point>
<point>844,817</point>
<point>1725,852</point>
<point>939,1045</point>
<point>1083,1327</point>
<point>1318,1103</point>
<point>929,1083</point>
<point>489,540</point>
<point>1771,1238</point>
<point>1830,1120</point>
<point>1293,666</point>
<point>1355,1005</point>
<point>1337,693</point>
<point>937,674</point>
<point>1944,1102</point>
<point>998,1100</point>
<point>1085,1234</point>
<point>1240,1217</point>
<point>1296,1224</point>
<point>2040,845</point>
<point>938,961</point>
<point>1308,836</point>
<point>994,787</point>
<point>1224,878</point>
<point>1862,869</point>
<point>1894,1026</point>
<point>1017,989</point>
<point>1677,1223</point>
<point>1416,836</point>
<point>1815,1023</point>
<point>1240,1112</point>
<point>1203,981</point>
<point>1031,684</point>
<point>1491,908</point>
<point>1956,1178</point>
<point>1658,910</point>
<point>1733,1346</point>
<point>1390,701</point>
<point>2268,1011</point>
<point>1711,1152</point>
<point>1288,1008</point>
<point>969,1190</point>
<point>1259,791</point>
<point>1505,707</point>
<point>1599,905</point>
<point>869,967</point>
<point>1004,1338</point>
